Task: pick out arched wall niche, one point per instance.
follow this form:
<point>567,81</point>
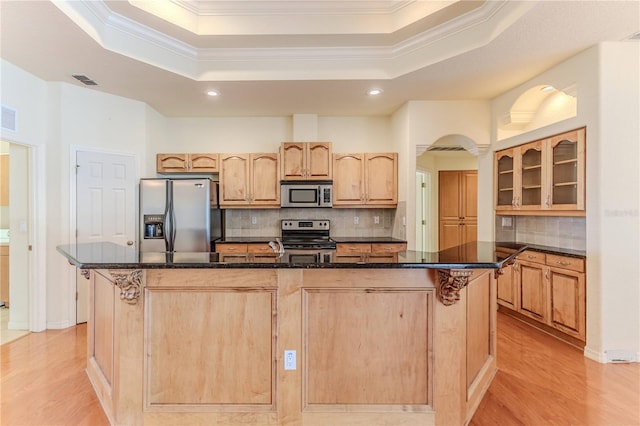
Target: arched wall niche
<point>538,106</point>
<point>452,143</point>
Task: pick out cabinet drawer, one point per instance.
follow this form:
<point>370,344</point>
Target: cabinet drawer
<point>353,248</point>
<point>259,248</point>
<point>231,248</point>
<point>532,256</point>
<point>571,263</point>
<point>388,247</point>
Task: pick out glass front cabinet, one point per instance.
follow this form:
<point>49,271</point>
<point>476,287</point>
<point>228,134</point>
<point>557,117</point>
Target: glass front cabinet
<point>546,175</point>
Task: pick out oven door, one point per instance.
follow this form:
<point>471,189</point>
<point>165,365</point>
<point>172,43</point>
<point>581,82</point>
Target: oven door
<point>308,256</point>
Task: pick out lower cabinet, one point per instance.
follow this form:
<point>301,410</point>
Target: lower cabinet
<point>548,289</point>
<point>369,252</point>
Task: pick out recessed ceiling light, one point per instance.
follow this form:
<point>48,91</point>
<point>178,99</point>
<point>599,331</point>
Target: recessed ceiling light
<point>547,88</point>
<point>213,93</point>
<point>374,92</point>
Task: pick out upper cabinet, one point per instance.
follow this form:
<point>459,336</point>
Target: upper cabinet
<point>187,163</point>
<point>306,161</point>
<point>249,180</point>
<point>363,180</point>
<point>542,177</point>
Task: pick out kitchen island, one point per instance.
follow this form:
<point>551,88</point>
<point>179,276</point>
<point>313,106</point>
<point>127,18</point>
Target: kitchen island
<point>189,338</point>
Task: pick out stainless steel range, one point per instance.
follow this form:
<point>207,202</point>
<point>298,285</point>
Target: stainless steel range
<point>306,234</point>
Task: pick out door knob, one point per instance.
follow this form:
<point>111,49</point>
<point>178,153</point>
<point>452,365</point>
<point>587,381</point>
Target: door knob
<point>129,243</point>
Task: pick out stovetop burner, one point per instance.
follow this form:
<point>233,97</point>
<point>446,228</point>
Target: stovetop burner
<point>306,234</point>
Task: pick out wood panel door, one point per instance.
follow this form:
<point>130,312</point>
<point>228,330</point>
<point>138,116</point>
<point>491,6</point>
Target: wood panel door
<point>469,195</point>
<point>381,179</point>
<point>172,163</point>
<point>450,234</point>
<point>449,195</point>
<point>234,179</point>
<point>265,180</point>
<point>293,160</point>
<point>319,161</point>
<point>348,183</point>
<point>533,290</point>
<point>507,284</point>
<point>567,297</point>
<point>204,163</point>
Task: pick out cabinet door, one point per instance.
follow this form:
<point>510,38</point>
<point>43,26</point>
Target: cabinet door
<point>533,290</point>
<point>567,171</point>
<point>348,183</point>
<point>293,160</point>
<point>319,164</point>
<point>381,179</point>
<point>265,170</point>
<point>172,163</point>
<point>469,194</point>
<point>507,287</point>
<point>567,313</point>
<point>449,195</point>
<point>203,163</point>
<point>532,177</point>
<point>469,232</point>
<point>505,179</point>
<point>234,179</point>
<point>450,234</point>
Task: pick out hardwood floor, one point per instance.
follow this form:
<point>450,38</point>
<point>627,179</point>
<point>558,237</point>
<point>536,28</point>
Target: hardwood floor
<point>541,381</point>
<point>43,381</point>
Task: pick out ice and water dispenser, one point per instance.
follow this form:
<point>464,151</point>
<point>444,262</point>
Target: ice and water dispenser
<point>153,226</point>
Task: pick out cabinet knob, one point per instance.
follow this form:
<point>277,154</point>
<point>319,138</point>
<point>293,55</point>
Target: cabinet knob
<point>129,243</point>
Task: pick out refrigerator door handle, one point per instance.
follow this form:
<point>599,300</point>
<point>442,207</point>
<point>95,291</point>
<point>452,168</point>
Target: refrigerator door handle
<point>168,224</point>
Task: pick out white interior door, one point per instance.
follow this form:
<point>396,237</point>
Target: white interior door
<point>105,207</point>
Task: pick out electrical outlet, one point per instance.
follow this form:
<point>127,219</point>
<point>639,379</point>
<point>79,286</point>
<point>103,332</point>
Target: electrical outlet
<point>376,220</point>
<point>254,220</point>
<point>356,219</point>
<point>289,360</point>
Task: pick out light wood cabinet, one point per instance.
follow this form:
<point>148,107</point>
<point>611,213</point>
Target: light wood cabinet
<point>187,163</point>
<point>249,180</point>
<point>4,180</point>
<point>542,177</point>
<point>364,180</point>
<point>306,161</point>
<point>548,289</point>
<point>4,274</point>
<point>368,252</point>
<point>457,207</point>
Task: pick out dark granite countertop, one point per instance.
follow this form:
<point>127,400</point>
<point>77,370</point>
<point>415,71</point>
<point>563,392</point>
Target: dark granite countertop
<point>365,240</point>
<point>581,254</point>
<point>245,240</point>
<point>480,255</point>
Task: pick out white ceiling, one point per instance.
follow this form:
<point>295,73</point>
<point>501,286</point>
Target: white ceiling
<point>274,58</point>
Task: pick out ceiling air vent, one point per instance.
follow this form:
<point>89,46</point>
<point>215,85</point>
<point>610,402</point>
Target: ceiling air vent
<point>85,80</point>
<point>445,148</point>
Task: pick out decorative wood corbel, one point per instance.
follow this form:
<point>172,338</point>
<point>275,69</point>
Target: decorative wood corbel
<point>451,281</point>
<point>130,284</point>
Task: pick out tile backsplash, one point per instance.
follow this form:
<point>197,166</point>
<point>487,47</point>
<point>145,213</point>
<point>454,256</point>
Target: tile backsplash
<point>266,222</point>
<point>563,232</point>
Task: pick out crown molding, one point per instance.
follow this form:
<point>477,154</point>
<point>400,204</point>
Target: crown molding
<point>122,35</point>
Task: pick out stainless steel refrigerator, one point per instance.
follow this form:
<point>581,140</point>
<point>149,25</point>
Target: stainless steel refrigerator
<point>179,215</point>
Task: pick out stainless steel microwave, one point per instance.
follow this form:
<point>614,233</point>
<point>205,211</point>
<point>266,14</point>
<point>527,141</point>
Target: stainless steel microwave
<point>295,193</point>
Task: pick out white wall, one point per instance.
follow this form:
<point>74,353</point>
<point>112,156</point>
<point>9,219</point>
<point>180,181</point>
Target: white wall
<point>429,121</point>
<point>608,88</point>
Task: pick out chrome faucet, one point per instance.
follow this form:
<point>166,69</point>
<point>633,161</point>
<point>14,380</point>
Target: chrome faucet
<point>277,246</point>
